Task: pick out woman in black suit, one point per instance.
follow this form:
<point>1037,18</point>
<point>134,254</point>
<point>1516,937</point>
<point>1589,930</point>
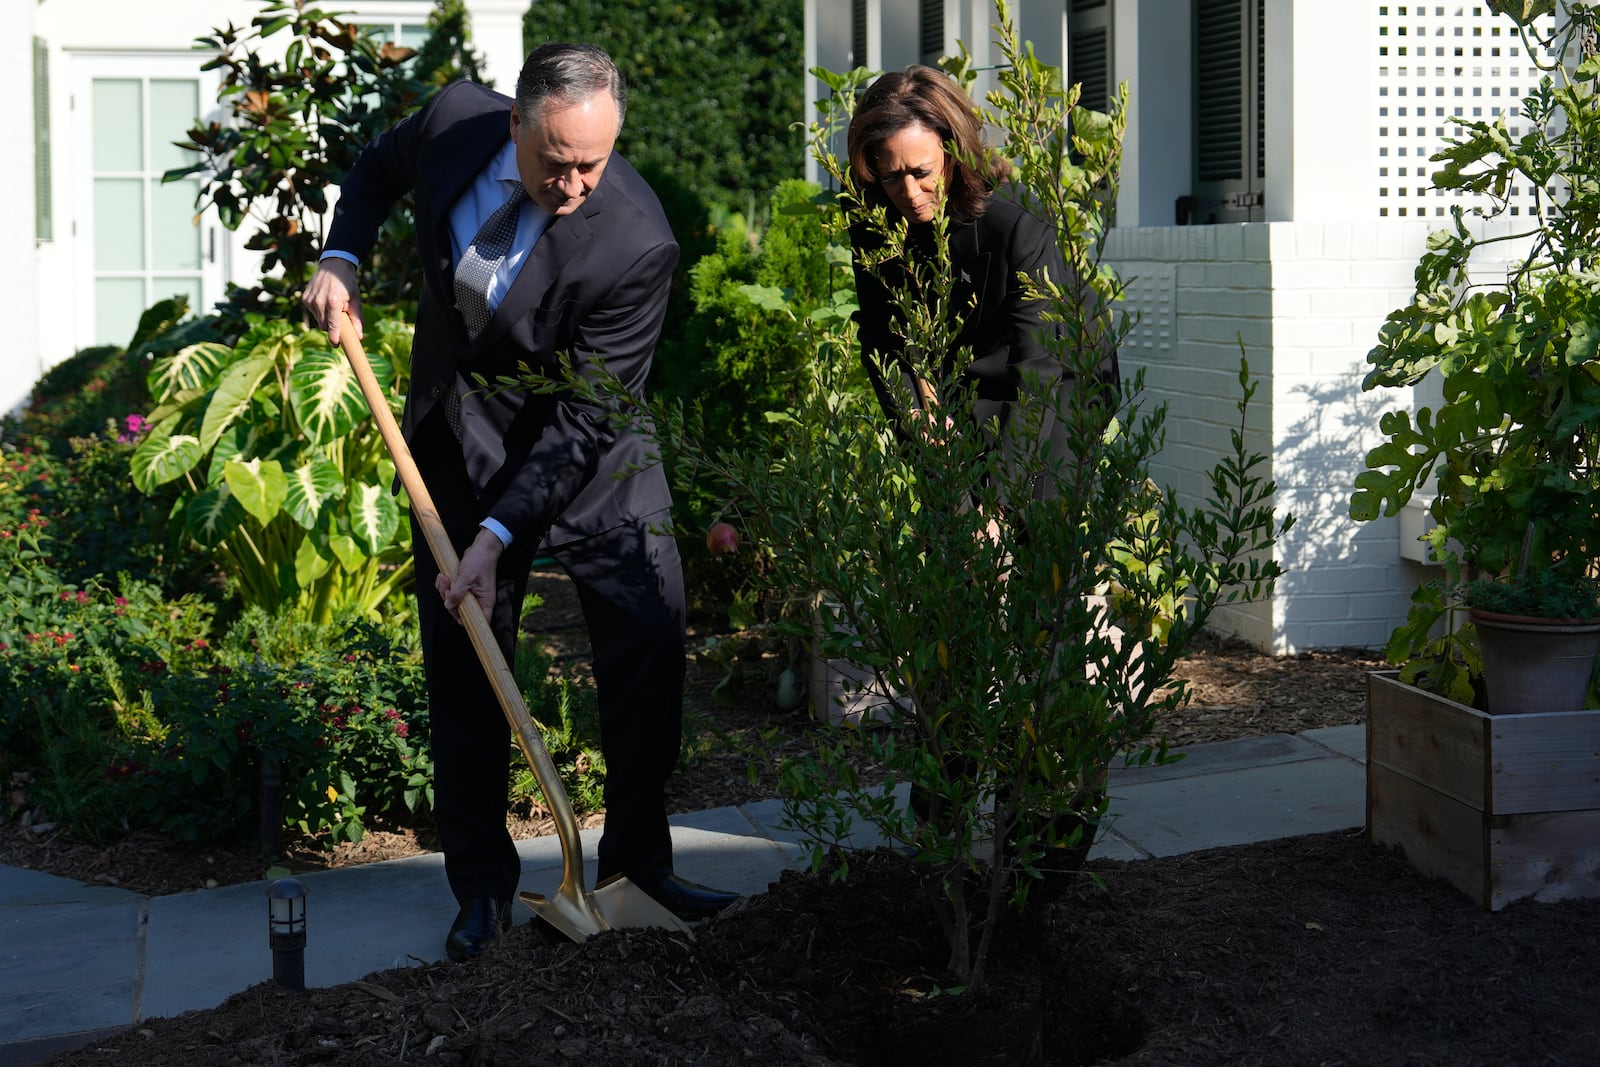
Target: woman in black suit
<point>915,149</point>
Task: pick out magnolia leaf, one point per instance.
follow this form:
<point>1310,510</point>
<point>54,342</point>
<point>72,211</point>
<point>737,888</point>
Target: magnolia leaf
<point>191,368</point>
<point>259,485</point>
<point>163,456</point>
<point>374,517</point>
<point>326,400</point>
<point>311,486</point>
<point>232,398</point>
<point>212,515</point>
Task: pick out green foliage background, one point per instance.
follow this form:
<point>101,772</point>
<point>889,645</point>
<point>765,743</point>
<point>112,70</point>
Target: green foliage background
<point>714,88</point>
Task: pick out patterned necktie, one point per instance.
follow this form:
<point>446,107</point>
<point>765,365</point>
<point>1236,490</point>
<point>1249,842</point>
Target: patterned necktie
<point>482,260</point>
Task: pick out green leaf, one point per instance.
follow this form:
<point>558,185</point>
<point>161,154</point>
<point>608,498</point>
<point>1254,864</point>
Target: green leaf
<point>212,515</point>
<point>259,485</point>
<point>163,456</point>
<point>234,392</point>
<point>768,297</point>
<point>310,487</point>
<point>347,552</point>
<point>309,564</point>
<point>194,367</point>
<point>323,393</point>
<point>374,517</point>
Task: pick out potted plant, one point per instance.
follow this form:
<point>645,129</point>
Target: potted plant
<point>1538,633</point>
<point>1512,454</point>
<point>1502,806</point>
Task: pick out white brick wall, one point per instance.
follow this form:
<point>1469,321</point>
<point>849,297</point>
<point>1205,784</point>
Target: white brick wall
<point>1308,300</point>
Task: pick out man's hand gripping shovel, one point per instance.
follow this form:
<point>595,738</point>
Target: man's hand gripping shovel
<point>574,910</point>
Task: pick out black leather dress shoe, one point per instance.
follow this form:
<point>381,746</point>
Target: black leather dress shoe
<point>687,900</point>
<point>479,922</point>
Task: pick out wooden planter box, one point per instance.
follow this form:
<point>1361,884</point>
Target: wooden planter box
<point>1505,807</point>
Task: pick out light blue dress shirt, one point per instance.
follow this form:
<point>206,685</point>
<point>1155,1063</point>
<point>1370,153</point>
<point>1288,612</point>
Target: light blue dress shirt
<point>490,189</point>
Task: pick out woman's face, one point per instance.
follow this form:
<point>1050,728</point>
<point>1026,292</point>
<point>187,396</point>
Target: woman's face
<point>912,170</point>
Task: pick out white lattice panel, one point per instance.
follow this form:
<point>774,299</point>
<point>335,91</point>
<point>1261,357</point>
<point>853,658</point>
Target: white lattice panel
<point>1439,64</point>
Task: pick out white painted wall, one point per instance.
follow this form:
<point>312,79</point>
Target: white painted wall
<point>1159,141</point>
<point>1321,121</point>
<point>1307,300</point>
<point>19,365</point>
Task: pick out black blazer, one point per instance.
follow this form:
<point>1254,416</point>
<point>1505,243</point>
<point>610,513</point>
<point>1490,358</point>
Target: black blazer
<point>594,287</point>
<point>1005,333</point>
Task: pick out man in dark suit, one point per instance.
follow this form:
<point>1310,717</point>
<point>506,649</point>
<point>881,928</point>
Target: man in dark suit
<point>535,243</point>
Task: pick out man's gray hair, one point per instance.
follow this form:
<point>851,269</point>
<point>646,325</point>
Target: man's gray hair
<point>569,72</point>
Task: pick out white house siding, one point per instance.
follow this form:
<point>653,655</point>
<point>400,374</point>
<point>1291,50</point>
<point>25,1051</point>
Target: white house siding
<point>52,314</point>
<point>20,364</point>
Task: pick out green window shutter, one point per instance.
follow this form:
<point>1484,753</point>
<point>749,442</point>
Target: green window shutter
<point>1089,51</point>
<point>858,33</point>
<point>44,215</point>
<point>1229,113</point>
<point>930,23</point>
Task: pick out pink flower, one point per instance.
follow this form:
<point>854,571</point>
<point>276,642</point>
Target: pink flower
<point>401,729</point>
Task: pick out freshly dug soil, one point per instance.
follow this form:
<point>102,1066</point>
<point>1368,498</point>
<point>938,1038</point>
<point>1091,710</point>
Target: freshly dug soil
<point>1310,950</point>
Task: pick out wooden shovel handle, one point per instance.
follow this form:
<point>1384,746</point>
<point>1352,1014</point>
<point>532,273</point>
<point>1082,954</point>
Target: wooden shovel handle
<point>494,662</point>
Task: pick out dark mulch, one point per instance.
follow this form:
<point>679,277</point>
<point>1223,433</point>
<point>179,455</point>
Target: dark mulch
<point>1310,950</point>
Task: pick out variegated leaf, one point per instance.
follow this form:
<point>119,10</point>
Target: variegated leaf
<point>259,485</point>
<point>374,517</point>
<point>310,487</point>
<point>212,516</point>
<point>191,368</point>
<point>232,397</point>
<point>253,437</point>
<point>327,402</point>
<point>163,456</point>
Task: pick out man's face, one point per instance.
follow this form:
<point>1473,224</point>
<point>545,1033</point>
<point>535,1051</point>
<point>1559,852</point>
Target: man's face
<point>561,156</point>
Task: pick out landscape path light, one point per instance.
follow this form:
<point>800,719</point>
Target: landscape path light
<point>286,929</point>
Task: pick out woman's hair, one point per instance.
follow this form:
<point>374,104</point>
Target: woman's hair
<point>926,97</point>
<point>569,72</point>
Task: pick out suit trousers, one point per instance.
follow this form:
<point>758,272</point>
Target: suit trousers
<point>629,582</point>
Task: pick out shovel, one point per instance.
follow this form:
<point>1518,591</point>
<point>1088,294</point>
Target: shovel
<point>574,910</point>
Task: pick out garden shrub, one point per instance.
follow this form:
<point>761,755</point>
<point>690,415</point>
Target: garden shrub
<point>1029,638</point>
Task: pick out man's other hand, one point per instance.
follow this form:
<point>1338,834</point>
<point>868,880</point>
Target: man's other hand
<point>474,577</point>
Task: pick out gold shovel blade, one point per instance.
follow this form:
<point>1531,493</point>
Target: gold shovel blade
<point>615,903</point>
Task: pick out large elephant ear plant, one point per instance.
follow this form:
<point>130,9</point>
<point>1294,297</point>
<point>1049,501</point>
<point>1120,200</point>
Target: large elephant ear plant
<point>1512,453</point>
<point>287,481</point>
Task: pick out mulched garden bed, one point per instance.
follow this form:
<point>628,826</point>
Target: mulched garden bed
<point>1309,950</point>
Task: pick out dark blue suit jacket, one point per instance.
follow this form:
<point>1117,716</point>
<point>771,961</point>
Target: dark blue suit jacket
<point>595,289</point>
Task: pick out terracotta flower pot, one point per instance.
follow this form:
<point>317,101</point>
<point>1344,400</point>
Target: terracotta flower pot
<point>1534,664</point>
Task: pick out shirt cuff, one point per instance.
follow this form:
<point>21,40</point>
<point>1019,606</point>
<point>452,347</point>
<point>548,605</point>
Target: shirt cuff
<point>334,253</point>
<point>496,527</point>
